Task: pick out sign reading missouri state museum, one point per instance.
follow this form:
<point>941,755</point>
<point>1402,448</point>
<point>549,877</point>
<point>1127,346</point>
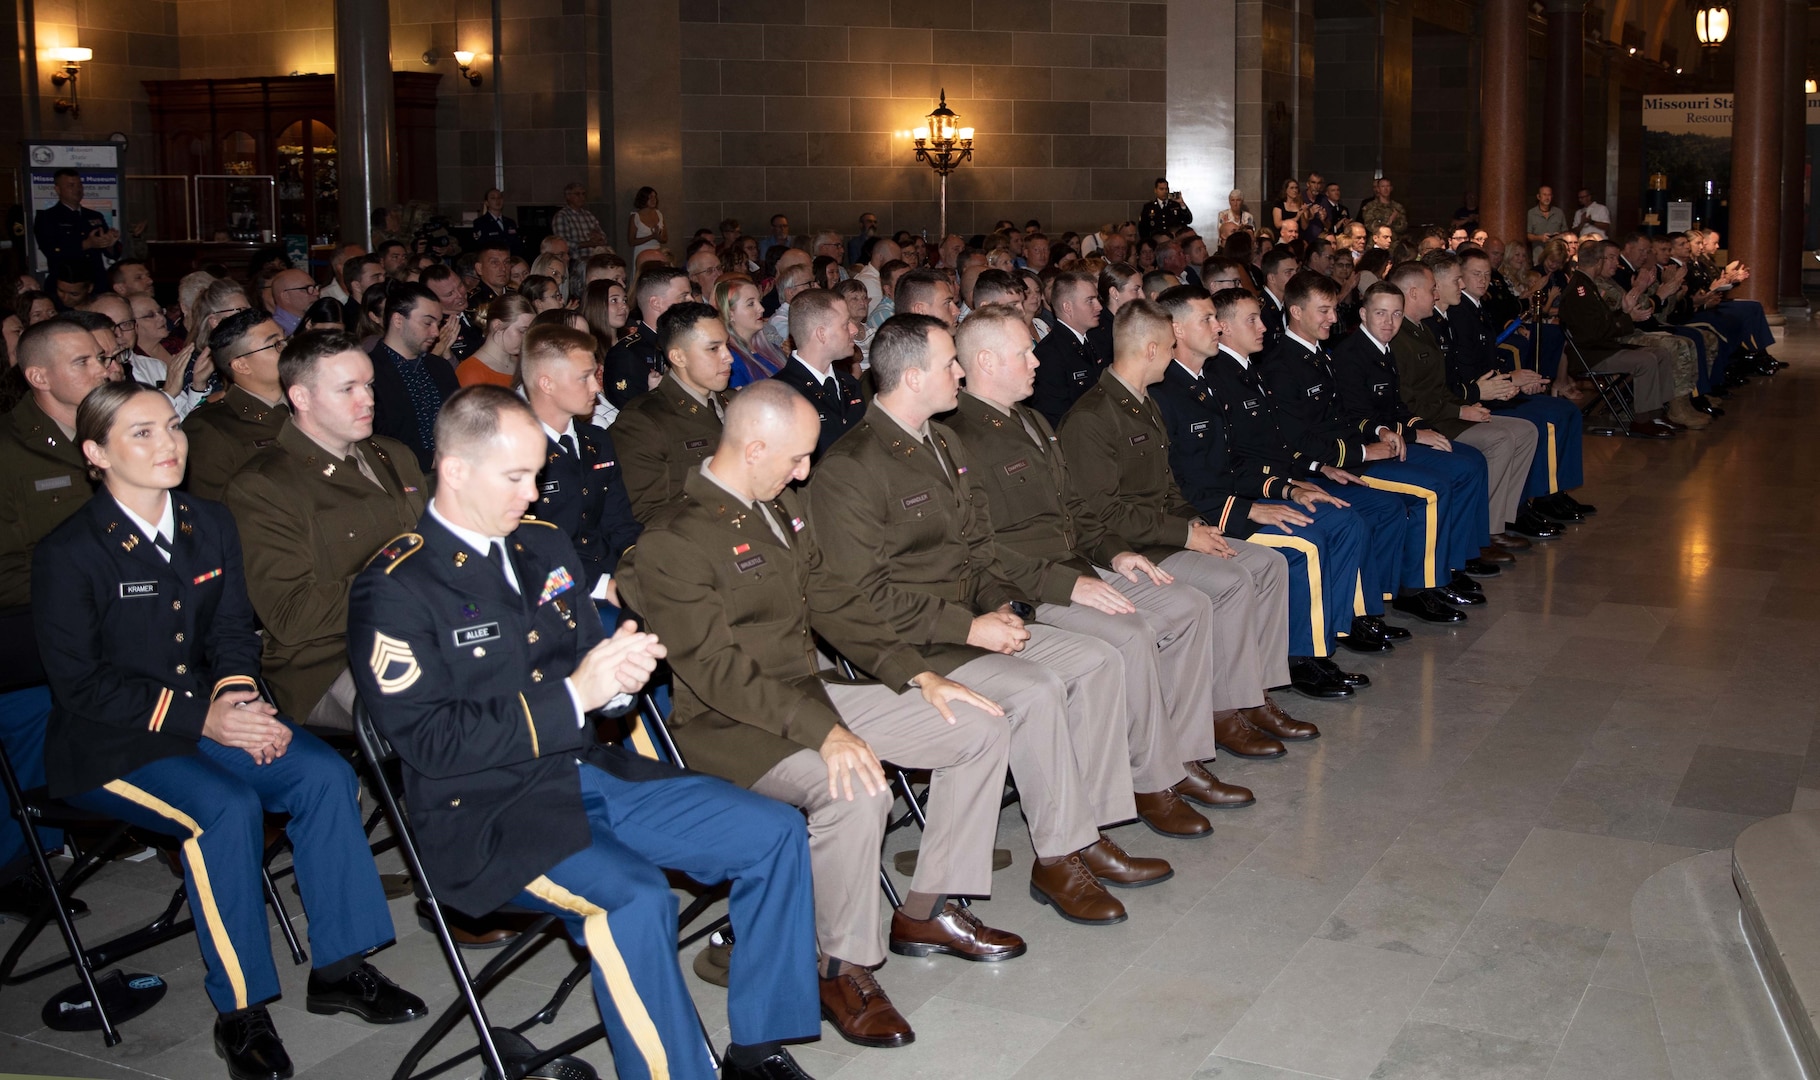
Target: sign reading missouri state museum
<point>1702,114</point>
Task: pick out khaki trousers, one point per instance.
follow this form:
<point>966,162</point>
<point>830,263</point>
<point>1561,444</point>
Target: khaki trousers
<point>1652,376</point>
<point>1250,595</point>
<point>1509,446</point>
<point>966,761</point>
<point>1168,682</point>
<point>336,709</point>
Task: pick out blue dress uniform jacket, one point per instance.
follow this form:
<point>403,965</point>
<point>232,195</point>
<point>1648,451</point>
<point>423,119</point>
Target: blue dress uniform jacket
<point>1306,396</point>
<point>838,414</point>
<point>498,227</point>
<point>1221,484</point>
<point>1067,367</point>
<point>465,677</point>
<point>135,647</point>
<point>1251,418</point>
<point>1275,322</point>
<point>629,365</point>
<point>60,231</point>
<point>1370,393</point>
<point>583,495</point>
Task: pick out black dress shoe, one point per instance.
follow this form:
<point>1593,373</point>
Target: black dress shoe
<point>1428,606</point>
<point>1584,508</point>
<point>367,994</point>
<point>1448,595</point>
<point>1391,631</point>
<point>1482,568</point>
<point>1558,509</point>
<point>1353,679</point>
<point>1534,526</point>
<point>778,1065</point>
<point>25,896</point>
<point>1363,637</point>
<point>1465,586</point>
<point>1704,403</point>
<point>250,1045</point>
<point>1308,678</point>
<point>1644,429</point>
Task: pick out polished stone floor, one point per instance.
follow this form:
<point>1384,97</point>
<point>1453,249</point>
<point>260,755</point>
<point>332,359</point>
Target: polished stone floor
<point>1507,859</point>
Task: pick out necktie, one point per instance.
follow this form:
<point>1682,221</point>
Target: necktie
<point>764,511</point>
<point>163,546</point>
<point>831,389</point>
<point>496,554</point>
<point>929,444</point>
<point>1035,435</point>
<point>568,445</point>
<point>720,411</point>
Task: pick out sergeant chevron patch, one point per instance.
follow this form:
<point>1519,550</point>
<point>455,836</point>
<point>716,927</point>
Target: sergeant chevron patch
<point>393,664</point>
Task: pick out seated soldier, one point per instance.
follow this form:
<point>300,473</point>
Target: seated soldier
<point>1458,323</point>
<point>224,434</point>
<point>1320,535</point>
<point>466,646</point>
<point>1118,445</point>
<point>665,434</point>
<point>636,362</point>
<point>1068,364</point>
<point>141,610</point>
<point>1657,285</point>
<point>757,707</point>
<point>1601,334</point>
<point>1600,261</point>
<point>818,327</point>
<point>43,480</point>
<point>1089,580</point>
<point>898,518</point>
<point>579,488</point>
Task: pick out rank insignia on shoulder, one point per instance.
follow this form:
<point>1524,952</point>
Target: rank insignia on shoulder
<point>393,664</point>
<point>397,550</point>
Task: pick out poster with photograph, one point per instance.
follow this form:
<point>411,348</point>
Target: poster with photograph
<point>1688,139</point>
<point>99,164</point>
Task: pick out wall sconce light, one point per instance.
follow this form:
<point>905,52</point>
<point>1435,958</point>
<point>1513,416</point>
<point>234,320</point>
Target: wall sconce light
<point>1811,87</point>
<point>463,60</point>
<point>1711,23</point>
<point>72,60</point>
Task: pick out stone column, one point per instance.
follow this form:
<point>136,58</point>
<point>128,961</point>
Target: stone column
<point>1201,117</point>
<point>365,126</point>
<point>1503,105</point>
<point>1794,156</point>
<point>1564,103</point>
<point>1757,117</point>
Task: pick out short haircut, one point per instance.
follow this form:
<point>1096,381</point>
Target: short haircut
<point>34,346</point>
<point>604,260</point>
<point>984,325</point>
<point>1074,280</point>
<point>1477,254</point>
<point>1274,259</point>
<point>229,332</point>
<point>470,419</point>
<point>994,285</point>
<point>655,279</point>
<point>1138,322</point>
<point>437,273</point>
<point>493,243</point>
<point>901,344</point>
<point>66,171</point>
<point>678,324</point>
<point>1440,262</point>
<point>1175,300</point>
<point>1159,281</point>
<point>354,267</point>
<point>1382,288</point>
<point>1404,273</point>
<point>917,287</point>
<point>305,352</point>
<point>87,319</point>
<point>387,245</point>
<point>1308,285</point>
<point>1226,302</point>
<point>71,272</point>
<point>811,308</point>
<point>402,298</point>
<point>117,272</point>
<point>1594,250</point>
<point>545,344</point>
<point>852,289</point>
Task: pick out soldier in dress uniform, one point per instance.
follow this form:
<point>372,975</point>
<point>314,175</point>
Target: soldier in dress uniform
<point>636,361</point>
<point>818,328</point>
<point>141,611</point>
<point>665,434</point>
<point>224,434</point>
<point>312,508</point>
<point>1067,363</point>
<point>899,518</point>
<point>467,647</point>
<point>732,576</point>
<point>1279,265</point>
<point>1089,580</point>
<point>579,489</point>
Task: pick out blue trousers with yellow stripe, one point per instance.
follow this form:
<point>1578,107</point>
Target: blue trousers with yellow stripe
<point>1438,494</point>
<point>1324,580</point>
<point>1559,431</point>
<point>215,801</point>
<point>22,717</point>
<point>616,903</point>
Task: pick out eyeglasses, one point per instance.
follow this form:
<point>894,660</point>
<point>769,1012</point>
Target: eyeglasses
<point>279,344</point>
<point>310,288</point>
<point>120,357</point>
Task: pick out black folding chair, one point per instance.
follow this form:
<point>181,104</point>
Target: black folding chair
<point>1613,389</point>
<point>35,809</point>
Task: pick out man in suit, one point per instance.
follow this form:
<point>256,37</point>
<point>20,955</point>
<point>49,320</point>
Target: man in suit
<point>900,519</point>
<point>818,326</point>
<point>467,646</point>
<point>736,582</point>
<point>634,364</point>
<point>662,436</point>
<point>410,380</point>
<point>1089,580</point>
<point>312,507</point>
<point>225,433</point>
<point>1067,363</point>
<point>579,488</point>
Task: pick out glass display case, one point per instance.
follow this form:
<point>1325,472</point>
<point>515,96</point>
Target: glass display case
<point>243,209</point>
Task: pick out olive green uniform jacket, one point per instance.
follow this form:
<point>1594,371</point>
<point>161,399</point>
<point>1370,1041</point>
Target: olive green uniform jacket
<point>1118,450</point>
<point>43,480</point>
<point>661,437</point>
<point>223,435</point>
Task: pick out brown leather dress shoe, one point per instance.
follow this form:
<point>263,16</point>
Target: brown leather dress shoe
<point>470,933</point>
<point>1113,865</point>
<point>1070,888</point>
<point>1272,720</point>
<point>853,1002</point>
<point>954,931</point>
<point>1210,791</point>
<point>1511,542</point>
<point>1235,735</point>
<point>1166,813</point>
<point>1496,554</point>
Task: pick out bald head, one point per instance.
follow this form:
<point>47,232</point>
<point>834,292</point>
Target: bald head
<point>766,441</point>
